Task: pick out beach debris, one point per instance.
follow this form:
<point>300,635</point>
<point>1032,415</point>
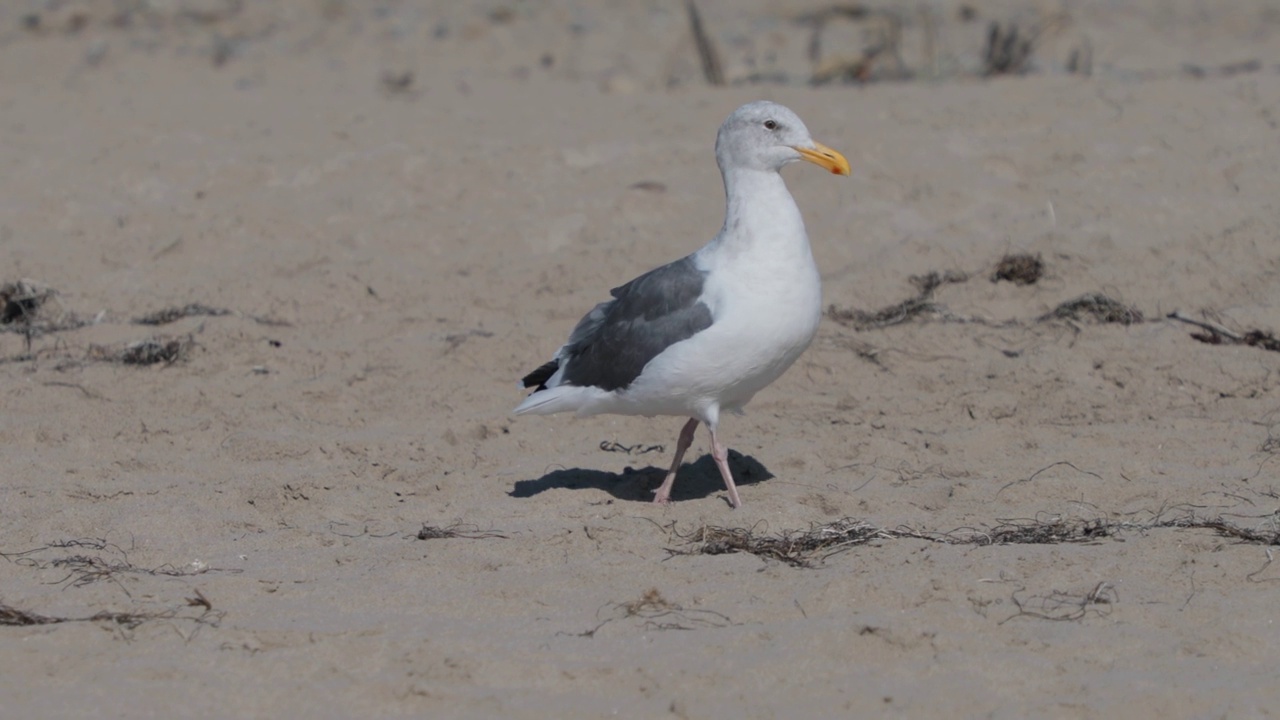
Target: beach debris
<point>468,532</point>
<point>151,351</point>
<point>1097,306</point>
<point>173,314</point>
<point>919,304</point>
<point>1019,269</point>
<point>712,69</point>
<point>1216,334</point>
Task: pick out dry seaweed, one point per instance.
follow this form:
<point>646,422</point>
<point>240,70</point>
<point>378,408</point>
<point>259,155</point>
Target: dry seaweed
<point>1045,532</point>
<point>90,560</point>
<point>919,304</point>
<point>1007,52</point>
<point>1215,334</point>
<point>707,54</point>
<point>1066,606</point>
<point>1019,268</point>
<point>658,613</point>
<point>31,308</point>
<point>173,314</point>
<point>177,312</point>
<point>1225,529</point>
<point>798,548</point>
<point>397,82</point>
<point>1262,339</point>
<point>469,532</point>
<point>637,449</point>
<point>151,351</point>
<point>1096,306</point>
<point>21,300</point>
<point>1236,68</point>
<point>809,548</point>
<point>14,617</point>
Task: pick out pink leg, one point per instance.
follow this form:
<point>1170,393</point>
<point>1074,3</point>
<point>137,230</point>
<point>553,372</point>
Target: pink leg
<point>663,495</point>
<point>721,455</point>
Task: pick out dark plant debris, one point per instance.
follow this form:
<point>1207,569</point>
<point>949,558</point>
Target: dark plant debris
<point>1248,536</point>
<point>1236,68</point>
<point>1051,531</point>
<point>19,301</point>
<point>397,82</point>
<point>178,312</point>
<point>1062,606</point>
<point>469,532</point>
<point>920,304</point>
<point>658,613</point>
<point>1019,268</point>
<point>89,560</point>
<point>809,548</point>
<point>1253,338</point>
<point>1216,334</point>
<point>14,617</point>
<point>151,351</point>
<point>798,548</point>
<point>30,308</point>
<point>173,314</point>
<point>933,280</point>
<point>712,68</point>
<point>637,449</point>
<point>1008,52</point>
<point>455,340</point>
<point>1262,339</point>
<point>1096,306</point>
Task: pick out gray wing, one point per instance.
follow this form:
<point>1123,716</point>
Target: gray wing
<point>611,345</point>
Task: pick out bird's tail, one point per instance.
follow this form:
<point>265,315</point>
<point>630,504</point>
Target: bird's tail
<point>564,398</point>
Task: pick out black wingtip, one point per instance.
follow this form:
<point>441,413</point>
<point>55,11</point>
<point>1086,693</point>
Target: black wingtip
<point>538,378</point>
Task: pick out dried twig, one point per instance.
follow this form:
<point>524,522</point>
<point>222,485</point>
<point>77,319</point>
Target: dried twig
<point>12,616</point>
<point>637,449</point>
<point>151,351</point>
<point>799,548</point>
<point>659,613</point>
<point>711,68</point>
<point>172,314</point>
<point>1213,328</point>
<point>898,313</point>
<point>457,530</point>
<point>1216,334</point>
<point>1064,606</point>
<point>1097,306</point>
<point>809,548</point>
<point>1019,268</point>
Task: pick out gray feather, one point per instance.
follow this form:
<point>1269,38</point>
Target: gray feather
<point>611,345</point>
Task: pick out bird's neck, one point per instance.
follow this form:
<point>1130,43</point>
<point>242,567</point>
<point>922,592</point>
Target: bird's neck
<point>760,213</point>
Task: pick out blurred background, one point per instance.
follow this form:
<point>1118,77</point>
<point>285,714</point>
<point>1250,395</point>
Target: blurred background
<point>622,46</point>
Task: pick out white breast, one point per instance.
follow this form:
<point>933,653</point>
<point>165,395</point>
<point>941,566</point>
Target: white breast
<point>765,297</point>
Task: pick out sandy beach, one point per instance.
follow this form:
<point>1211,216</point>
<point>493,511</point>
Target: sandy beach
<point>270,272</point>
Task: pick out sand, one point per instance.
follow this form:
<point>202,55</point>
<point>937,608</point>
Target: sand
<point>404,208</point>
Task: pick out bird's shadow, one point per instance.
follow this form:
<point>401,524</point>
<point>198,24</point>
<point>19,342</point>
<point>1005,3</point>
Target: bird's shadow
<point>698,479</point>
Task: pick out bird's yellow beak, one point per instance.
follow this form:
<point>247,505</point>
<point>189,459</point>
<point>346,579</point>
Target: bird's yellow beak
<point>824,157</point>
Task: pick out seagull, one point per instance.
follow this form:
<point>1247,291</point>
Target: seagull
<point>702,335</point>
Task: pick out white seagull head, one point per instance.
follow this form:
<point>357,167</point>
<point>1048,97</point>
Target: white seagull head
<point>763,135</point>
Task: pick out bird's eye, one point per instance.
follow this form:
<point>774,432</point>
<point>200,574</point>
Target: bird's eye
<point>770,125</point>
